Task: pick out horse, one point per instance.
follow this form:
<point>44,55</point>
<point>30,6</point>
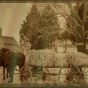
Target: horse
<point>10,60</point>
<point>3,60</point>
<point>6,58</point>
<point>20,61</point>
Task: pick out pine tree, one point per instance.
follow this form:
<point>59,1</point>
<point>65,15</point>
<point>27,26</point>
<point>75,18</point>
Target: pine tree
<point>42,30</point>
<point>30,28</point>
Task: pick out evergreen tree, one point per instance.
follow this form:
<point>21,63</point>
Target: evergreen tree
<point>30,28</point>
<point>42,30</point>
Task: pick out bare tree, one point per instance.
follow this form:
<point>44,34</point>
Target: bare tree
<point>76,22</point>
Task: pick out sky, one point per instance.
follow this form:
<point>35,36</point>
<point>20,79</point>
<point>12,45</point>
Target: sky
<point>12,16</point>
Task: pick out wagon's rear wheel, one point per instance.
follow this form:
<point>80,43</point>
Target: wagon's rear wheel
<point>26,75</point>
<point>84,71</point>
<point>45,74</point>
<point>62,75</point>
<point>69,75</point>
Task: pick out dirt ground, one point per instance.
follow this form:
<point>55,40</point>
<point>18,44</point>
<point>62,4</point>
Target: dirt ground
<point>16,79</point>
<point>53,78</point>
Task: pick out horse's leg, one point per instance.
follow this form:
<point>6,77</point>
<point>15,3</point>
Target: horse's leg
<point>3,73</point>
<point>11,72</point>
<point>7,73</point>
<point>11,76</point>
<point>20,71</point>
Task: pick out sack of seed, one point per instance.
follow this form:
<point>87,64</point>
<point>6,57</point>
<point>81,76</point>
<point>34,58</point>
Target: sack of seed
<point>44,63</point>
<point>32,62</point>
<point>38,63</point>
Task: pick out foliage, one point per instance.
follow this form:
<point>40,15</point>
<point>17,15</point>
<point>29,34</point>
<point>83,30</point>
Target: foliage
<point>30,28</point>
<point>80,27</point>
<point>40,31</point>
<point>49,26</point>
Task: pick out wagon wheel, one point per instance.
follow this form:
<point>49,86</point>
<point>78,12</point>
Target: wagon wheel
<point>69,75</point>
<point>84,78</point>
<point>46,75</point>
<point>26,75</point>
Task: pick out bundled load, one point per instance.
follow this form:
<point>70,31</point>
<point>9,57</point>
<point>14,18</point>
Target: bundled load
<point>80,59</point>
<point>48,58</point>
<point>60,59</point>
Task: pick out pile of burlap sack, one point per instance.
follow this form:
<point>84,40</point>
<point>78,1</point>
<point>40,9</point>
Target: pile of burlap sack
<point>50,58</point>
<point>47,57</point>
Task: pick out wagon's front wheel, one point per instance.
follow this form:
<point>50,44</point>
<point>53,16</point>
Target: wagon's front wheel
<point>26,75</point>
<point>45,74</point>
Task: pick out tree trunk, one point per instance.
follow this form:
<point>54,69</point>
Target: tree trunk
<point>82,48</point>
<point>84,45</point>
<point>65,46</point>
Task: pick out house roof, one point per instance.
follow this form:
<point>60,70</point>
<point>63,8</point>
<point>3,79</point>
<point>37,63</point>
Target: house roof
<point>10,43</point>
<point>13,47</point>
<point>8,40</point>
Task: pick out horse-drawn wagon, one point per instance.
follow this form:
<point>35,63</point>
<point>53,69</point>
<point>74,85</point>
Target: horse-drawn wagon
<point>72,66</point>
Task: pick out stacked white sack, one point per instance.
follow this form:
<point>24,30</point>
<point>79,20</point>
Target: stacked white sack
<point>63,59</point>
<point>60,58</point>
<point>45,63</point>
<point>33,63</point>
<point>54,58</point>
<point>80,59</point>
<point>39,63</point>
<point>41,55</point>
<point>41,58</point>
<point>49,52</point>
<point>69,56</point>
<point>51,59</point>
<point>33,57</point>
<point>48,58</point>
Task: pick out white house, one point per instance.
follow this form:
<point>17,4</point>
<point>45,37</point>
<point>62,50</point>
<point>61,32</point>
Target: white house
<point>10,43</point>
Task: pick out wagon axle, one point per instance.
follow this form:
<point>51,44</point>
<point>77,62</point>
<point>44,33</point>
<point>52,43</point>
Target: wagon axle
<point>68,78</point>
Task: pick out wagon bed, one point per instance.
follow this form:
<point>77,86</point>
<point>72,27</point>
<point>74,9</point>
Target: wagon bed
<point>74,66</point>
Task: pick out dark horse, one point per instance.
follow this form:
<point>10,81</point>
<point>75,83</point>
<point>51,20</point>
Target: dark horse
<point>10,60</point>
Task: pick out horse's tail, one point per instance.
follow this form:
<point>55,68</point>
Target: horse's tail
<point>24,58</point>
<point>20,59</point>
<point>6,58</point>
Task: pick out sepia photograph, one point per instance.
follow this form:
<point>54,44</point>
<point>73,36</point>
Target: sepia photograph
<point>44,43</point>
